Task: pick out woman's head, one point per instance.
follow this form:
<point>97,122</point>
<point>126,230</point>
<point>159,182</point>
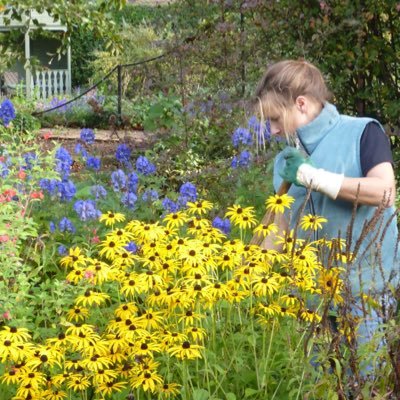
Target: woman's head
<point>290,94</point>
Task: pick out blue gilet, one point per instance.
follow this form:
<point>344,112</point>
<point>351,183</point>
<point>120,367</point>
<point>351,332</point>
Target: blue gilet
<point>333,143</point>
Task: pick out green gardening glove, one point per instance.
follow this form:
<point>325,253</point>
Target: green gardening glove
<point>294,159</point>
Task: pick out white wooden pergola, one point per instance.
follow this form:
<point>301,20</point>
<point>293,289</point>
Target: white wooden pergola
<point>47,82</point>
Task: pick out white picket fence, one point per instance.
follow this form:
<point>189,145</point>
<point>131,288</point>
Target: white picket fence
<point>49,83</point>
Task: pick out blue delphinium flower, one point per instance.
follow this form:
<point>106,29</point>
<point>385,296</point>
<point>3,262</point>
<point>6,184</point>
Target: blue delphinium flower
<point>144,166</point>
<point>132,182</point>
<point>242,136</point>
<point>62,250</point>
<point>98,191</point>
<point>123,153</point>
<point>52,227</point>
<point>86,210</point>
<point>64,162</point>
<point>242,160</point>
<point>189,191</point>
<point>30,160</point>
<point>49,185</point>
<point>129,199</point>
<point>87,136</point>
<point>66,190</point>
<point>66,225</point>
<point>262,131</point>
<point>118,180</point>
<point>7,112</point>
<point>79,149</point>
<point>224,225</point>
<point>93,163</point>
<point>132,247</point>
<point>150,195</point>
<point>169,205</point>
<point>4,171</point>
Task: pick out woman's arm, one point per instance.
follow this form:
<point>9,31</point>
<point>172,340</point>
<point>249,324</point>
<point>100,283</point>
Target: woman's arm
<point>378,187</point>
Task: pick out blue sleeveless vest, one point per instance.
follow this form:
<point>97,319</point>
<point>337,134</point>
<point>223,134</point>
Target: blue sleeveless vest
<point>333,143</point>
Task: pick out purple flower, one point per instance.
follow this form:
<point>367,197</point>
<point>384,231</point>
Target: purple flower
<point>144,166</point>
<point>64,162</point>
<point>118,180</point>
<point>129,199</point>
<point>87,136</point>
<point>189,191</point>
<point>79,149</point>
<point>52,226</point>
<point>4,171</point>
<point>132,182</point>
<point>86,210</point>
<point>98,191</point>
<point>150,195</point>
<point>263,132</point>
<point>62,250</point>
<point>224,225</point>
<point>242,160</point>
<point>93,163</point>
<point>7,112</point>
<point>66,190</point>
<point>65,225</point>
<point>169,205</point>
<point>132,247</point>
<point>123,153</point>
<point>241,136</point>
<point>30,159</point>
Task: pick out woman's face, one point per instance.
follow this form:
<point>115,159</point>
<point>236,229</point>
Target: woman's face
<point>287,121</point>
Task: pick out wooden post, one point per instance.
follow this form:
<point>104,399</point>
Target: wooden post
<point>28,72</point>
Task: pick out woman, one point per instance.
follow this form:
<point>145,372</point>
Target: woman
<point>334,161</point>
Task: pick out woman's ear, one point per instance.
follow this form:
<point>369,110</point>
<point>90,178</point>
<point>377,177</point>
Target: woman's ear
<point>302,104</point>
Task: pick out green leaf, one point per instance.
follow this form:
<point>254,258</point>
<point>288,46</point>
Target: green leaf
<point>230,396</point>
<point>200,394</point>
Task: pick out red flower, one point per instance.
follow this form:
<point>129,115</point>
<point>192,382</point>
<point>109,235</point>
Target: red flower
<point>47,135</point>
<point>21,174</point>
<point>37,195</point>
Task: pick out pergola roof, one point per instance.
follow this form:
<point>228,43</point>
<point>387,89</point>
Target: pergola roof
<point>45,21</point>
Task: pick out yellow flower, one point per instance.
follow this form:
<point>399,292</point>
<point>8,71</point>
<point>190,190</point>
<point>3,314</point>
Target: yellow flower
<point>54,394</point>
<point>265,230</point>
<point>197,334</point>
<point>77,314</point>
<point>108,388</point>
<point>331,284</point>
<point>14,334</point>
<point>312,222</point>
<point>199,207</point>
<point>96,363</point>
<point>310,316</point>
<point>110,246</point>
<point>265,285</point>
<point>175,220</point>
<point>110,218</point>
<point>78,382</point>
<point>186,350</point>
<point>147,380</point>
<point>277,203</point>
<point>242,216</point>
<point>75,258</point>
<point>169,390</point>
<point>91,297</point>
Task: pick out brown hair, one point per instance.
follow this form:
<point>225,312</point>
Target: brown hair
<point>283,82</point>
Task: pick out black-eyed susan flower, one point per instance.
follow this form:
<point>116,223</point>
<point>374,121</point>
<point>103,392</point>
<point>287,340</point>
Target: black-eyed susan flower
<point>77,314</point>
<point>278,203</point>
<point>197,334</point>
<point>32,378</point>
<point>75,258</point>
<point>110,218</point>
<point>244,217</point>
<point>287,240</point>
<point>152,319</point>
<point>92,297</point>
<point>176,219</point>
<point>54,394</point>
<point>265,230</point>
<point>76,275</point>
<point>169,390</point>
<point>147,380</point>
<point>126,310</point>
<point>330,284</point>
<point>45,356</point>
<point>265,285</point>
<point>186,350</point>
<point>189,317</point>
<point>14,334</point>
<point>199,207</point>
<point>310,316</point>
<point>109,247</point>
<point>96,363</point>
<point>110,387</point>
<point>144,232</point>
<point>78,382</point>
<point>217,290</point>
<point>312,222</point>
<point>104,375</point>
